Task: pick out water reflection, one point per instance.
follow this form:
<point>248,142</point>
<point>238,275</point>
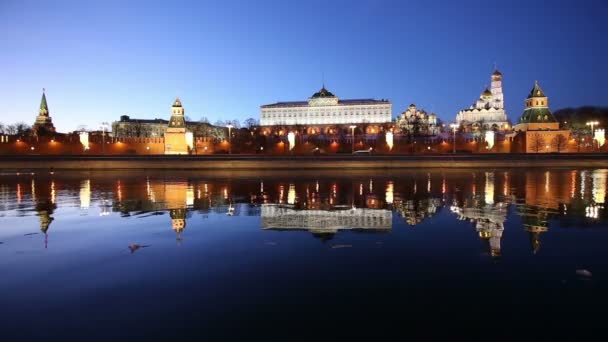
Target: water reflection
<point>493,202</point>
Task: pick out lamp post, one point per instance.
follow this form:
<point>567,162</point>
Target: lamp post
<point>104,125</point>
<point>352,127</point>
<point>229,139</point>
<point>454,126</point>
<point>592,124</point>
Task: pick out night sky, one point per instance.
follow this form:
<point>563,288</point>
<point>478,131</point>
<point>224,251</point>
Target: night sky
<point>102,59</point>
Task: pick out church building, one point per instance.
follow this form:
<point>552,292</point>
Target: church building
<point>488,112</point>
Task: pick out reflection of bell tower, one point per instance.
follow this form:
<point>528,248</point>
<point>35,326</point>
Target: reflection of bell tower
<point>178,221</point>
<point>534,232</point>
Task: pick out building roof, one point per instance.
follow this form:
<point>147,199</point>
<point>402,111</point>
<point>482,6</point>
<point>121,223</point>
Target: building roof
<point>349,102</point>
<point>323,93</point>
<point>536,91</point>
<point>496,73</point>
<point>486,92</point>
<point>158,121</point>
<point>537,115</point>
<point>177,102</point>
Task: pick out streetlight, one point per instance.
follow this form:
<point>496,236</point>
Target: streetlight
<point>103,137</point>
<point>592,123</point>
<point>229,139</point>
<point>352,127</point>
<point>454,126</point>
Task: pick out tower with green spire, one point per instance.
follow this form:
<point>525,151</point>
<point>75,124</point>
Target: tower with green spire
<point>43,120</point>
<point>537,130</point>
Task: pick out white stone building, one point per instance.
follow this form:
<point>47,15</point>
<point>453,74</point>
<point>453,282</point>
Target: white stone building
<point>488,112</point>
<point>324,108</point>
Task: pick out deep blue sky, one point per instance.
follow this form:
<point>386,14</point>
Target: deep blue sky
<point>101,59</point>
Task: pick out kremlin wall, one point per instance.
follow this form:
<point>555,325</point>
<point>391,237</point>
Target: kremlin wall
<point>323,125</point>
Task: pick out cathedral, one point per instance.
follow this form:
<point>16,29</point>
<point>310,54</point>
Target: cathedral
<point>417,122</point>
<point>488,112</point>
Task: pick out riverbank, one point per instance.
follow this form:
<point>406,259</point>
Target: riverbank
<point>335,162</point>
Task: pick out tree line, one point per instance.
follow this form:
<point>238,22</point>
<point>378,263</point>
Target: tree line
<point>15,129</point>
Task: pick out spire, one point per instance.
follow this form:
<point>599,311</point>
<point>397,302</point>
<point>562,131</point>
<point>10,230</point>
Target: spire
<point>323,79</point>
<point>177,102</point>
<point>496,72</point>
<point>536,91</point>
<point>44,108</point>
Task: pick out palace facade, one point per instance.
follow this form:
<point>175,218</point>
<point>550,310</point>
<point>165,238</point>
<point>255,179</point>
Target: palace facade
<point>488,112</point>
<point>325,108</point>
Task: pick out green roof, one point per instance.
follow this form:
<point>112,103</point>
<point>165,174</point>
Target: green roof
<point>44,108</point>
<point>536,91</point>
<point>323,93</point>
<point>537,115</point>
<point>177,121</point>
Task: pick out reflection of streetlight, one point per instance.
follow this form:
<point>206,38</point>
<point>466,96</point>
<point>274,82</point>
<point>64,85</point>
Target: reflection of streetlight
<point>229,139</point>
<point>592,123</point>
<point>352,127</point>
<point>454,126</point>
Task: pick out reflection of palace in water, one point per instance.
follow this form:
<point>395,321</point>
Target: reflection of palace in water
<point>326,206</point>
<point>322,222</point>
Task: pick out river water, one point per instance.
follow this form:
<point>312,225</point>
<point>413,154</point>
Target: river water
<point>242,255</point>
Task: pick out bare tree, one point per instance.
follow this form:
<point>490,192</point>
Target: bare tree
<point>220,123</point>
<point>235,123</point>
<point>22,127</point>
<point>537,142</point>
<point>250,123</point>
<point>559,142</point>
<point>204,120</point>
<point>11,129</point>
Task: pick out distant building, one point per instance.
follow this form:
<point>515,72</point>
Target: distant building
<point>43,123</point>
<point>325,108</point>
<point>537,130</point>
<point>488,112</point>
<point>416,122</point>
<point>127,127</point>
